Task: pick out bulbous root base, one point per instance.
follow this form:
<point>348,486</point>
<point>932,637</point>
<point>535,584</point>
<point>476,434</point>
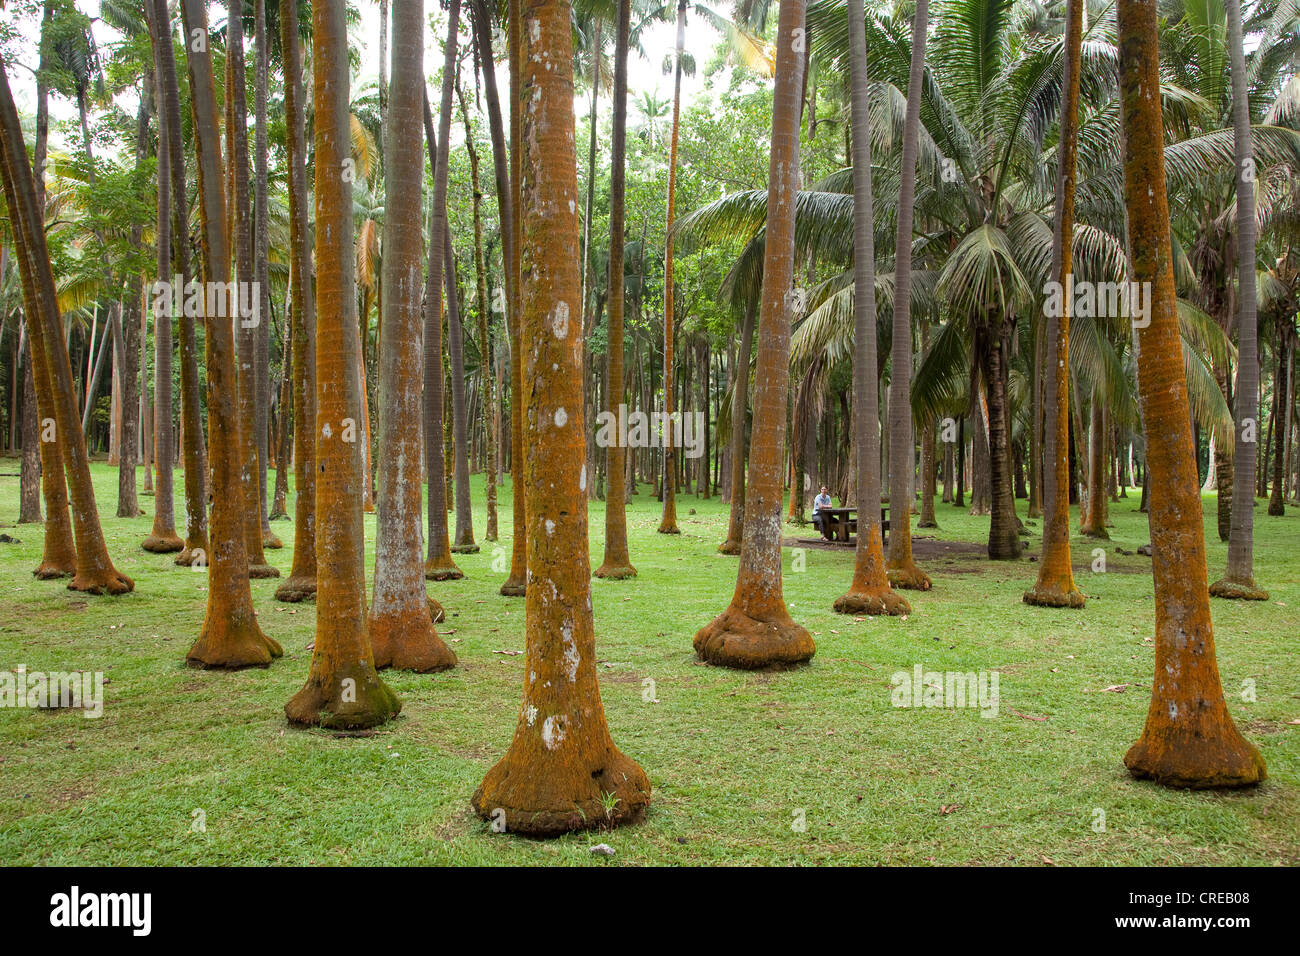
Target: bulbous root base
<point>437,613</point>
<point>1054,597</point>
<point>294,589</point>
<point>162,544</point>
<point>409,647</point>
<point>320,703</point>
<point>1194,762</point>
<point>227,647</point>
<point>615,572</point>
<point>257,572</point>
<point>734,639</point>
<point>908,578</point>
<point>873,601</point>
<point>927,524</point>
<point>544,805</point>
<point>669,529</point>
<point>271,540</point>
<point>50,572</point>
<point>442,570</point>
<point>514,587</point>
<point>729,547</point>
<point>190,552</point>
<point>1236,590</point>
<point>110,581</point>
<point>470,548</point>
<point>1100,533</point>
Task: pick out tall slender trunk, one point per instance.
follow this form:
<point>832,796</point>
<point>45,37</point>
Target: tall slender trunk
<point>756,630</point>
<point>618,562</point>
<point>246,291</point>
<point>668,524</point>
<point>95,573</point>
<point>127,357</point>
<point>440,566</point>
<point>739,408</point>
<point>870,591</point>
<point>343,689</point>
<point>903,572</point>
<point>464,543</point>
<point>301,582</point>
<point>490,446</point>
<point>261,247</point>
<point>1239,579</point>
<point>1189,739</point>
<point>562,771</point>
<point>1055,586</point>
<point>1281,389</point>
<point>230,636</point>
<point>401,625</point>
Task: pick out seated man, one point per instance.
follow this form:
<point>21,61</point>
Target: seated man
<point>823,500</point>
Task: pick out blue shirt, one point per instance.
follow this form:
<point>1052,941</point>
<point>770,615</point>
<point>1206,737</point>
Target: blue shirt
<point>820,502</point>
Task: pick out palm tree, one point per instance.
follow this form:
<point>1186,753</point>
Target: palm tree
<point>230,637</point>
<point>756,630</point>
<point>1189,739</point>
<point>95,573</point>
<point>401,628</point>
<point>301,582</point>
<point>903,572</point>
<point>1239,581</point>
<point>562,771</point>
<point>870,592</point>
<point>440,565</point>
<point>246,279</point>
<point>163,538</point>
<point>668,524</point>
<point>1055,586</point>
<point>506,176</point>
<point>343,688</point>
<point>261,248</point>
<point>618,562</point>
<point>195,455</point>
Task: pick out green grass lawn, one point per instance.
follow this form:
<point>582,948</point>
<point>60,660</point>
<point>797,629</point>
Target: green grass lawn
<point>802,766</point>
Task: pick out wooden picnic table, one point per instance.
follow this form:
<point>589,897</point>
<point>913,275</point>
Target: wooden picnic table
<point>839,523</point>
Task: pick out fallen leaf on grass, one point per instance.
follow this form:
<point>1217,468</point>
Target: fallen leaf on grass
<point>948,808</point>
<point>508,653</point>
<point>1025,716</point>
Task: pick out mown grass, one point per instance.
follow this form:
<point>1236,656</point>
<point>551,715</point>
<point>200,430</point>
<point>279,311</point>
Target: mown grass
<point>737,760</point>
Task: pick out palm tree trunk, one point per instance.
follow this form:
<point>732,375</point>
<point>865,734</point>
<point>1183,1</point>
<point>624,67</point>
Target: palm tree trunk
<point>739,408</point>
<point>1055,586</point>
<point>1239,580</point>
<point>196,464</point>
<point>127,357</point>
<point>870,591</point>
<point>440,566</point>
<point>756,630</point>
<point>668,524</point>
<point>484,347</point>
<point>95,573</point>
<point>261,240</point>
<point>505,178</point>
<point>464,543</point>
<point>230,637</point>
<point>562,771</point>
<point>245,292</point>
<point>301,582</point>
<point>903,572</point>
<point>1189,739</point>
<point>343,689</point>
<point>401,625</point>
<point>1281,389</point>
<point>618,562</point>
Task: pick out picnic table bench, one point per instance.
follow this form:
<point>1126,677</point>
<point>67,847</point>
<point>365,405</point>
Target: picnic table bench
<point>838,524</point>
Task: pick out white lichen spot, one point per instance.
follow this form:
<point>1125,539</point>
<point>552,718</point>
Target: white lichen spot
<point>571,656</point>
<point>561,417</point>
<point>530,714</point>
<point>553,731</point>
<point>560,321</point>
<point>550,527</point>
<point>582,479</point>
<point>325,430</point>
